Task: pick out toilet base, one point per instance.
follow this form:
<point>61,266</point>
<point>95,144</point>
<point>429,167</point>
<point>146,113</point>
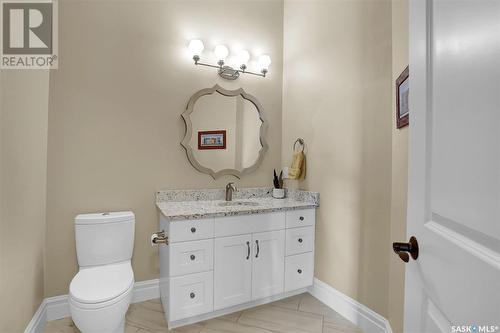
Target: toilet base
<point>106,319</point>
<point>121,327</point>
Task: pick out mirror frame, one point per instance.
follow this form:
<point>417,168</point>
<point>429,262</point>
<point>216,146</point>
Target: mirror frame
<point>186,115</point>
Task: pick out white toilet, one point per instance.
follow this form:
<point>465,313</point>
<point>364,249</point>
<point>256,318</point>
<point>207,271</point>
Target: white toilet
<point>101,291</point>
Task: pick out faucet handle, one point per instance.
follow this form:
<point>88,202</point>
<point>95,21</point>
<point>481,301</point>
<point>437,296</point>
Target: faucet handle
<point>232,186</point>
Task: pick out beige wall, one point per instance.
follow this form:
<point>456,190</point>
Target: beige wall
<point>115,127</point>
<point>337,96</point>
<point>123,80</point>
<point>399,167</point>
<point>23,169</point>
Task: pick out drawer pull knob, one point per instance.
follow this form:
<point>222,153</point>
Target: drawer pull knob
<point>301,218</point>
<point>192,257</point>
<point>193,230</point>
<point>300,240</point>
<point>299,271</point>
<point>192,295</point>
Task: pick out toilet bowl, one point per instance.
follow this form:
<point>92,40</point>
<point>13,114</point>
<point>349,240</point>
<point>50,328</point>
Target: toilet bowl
<point>101,291</point>
<point>101,306</point>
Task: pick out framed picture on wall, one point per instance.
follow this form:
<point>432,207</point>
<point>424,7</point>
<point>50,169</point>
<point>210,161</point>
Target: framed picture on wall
<point>402,93</point>
<point>211,139</point>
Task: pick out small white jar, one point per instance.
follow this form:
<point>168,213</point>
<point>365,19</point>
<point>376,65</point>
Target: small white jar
<point>278,193</point>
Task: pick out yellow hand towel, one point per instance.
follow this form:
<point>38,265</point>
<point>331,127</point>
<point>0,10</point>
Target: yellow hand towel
<point>298,168</point>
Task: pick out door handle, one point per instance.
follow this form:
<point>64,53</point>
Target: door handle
<point>258,249</point>
<point>248,253</point>
<point>402,249</point>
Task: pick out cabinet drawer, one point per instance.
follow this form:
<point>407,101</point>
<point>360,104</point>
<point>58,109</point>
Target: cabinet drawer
<point>299,218</point>
<point>190,295</point>
<point>299,271</point>
<point>191,257</point>
<point>299,240</point>
<point>247,224</point>
<point>180,231</point>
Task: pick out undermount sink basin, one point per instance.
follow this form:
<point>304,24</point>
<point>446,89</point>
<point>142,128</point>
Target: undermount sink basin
<point>237,203</point>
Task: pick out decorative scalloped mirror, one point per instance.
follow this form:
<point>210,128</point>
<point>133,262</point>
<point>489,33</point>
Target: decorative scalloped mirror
<point>225,132</point>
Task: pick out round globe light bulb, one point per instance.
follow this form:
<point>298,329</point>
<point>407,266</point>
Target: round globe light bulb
<point>243,57</point>
<point>196,47</point>
<point>221,52</point>
<point>264,61</point>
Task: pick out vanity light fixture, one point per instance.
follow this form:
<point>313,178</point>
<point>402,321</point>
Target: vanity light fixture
<point>221,52</point>
<point>264,61</point>
<point>243,57</point>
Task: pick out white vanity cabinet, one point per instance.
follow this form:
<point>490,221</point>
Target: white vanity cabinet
<point>214,266</point>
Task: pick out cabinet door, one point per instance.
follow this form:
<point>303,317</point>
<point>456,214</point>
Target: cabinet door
<point>268,263</point>
<point>232,271</point>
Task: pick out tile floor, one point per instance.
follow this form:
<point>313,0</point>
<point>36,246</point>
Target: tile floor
<point>298,314</point>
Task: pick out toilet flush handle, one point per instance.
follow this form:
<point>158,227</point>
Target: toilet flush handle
<point>159,237</point>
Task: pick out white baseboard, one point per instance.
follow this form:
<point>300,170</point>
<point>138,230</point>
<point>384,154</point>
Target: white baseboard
<point>362,316</point>
<point>37,323</point>
<point>57,307</point>
<point>369,321</point>
<point>146,290</point>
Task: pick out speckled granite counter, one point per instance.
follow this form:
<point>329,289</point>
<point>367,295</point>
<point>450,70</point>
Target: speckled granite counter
<point>196,204</point>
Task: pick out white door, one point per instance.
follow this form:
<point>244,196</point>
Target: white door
<point>268,268</point>
<point>454,176</point>
<point>232,271</point>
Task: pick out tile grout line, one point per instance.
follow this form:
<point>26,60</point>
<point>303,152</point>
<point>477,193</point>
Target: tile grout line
<point>257,327</point>
<point>300,303</point>
<point>252,326</point>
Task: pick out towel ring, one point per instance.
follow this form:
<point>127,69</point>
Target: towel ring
<point>301,142</point>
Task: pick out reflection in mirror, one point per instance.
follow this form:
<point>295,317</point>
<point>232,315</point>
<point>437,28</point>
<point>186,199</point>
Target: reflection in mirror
<point>224,132</point>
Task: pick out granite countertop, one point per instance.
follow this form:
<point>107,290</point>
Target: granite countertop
<point>196,204</point>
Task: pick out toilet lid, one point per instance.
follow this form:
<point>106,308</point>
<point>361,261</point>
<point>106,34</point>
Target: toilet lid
<point>101,283</point>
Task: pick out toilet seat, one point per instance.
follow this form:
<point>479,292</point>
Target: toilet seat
<point>107,304</point>
<point>100,286</point>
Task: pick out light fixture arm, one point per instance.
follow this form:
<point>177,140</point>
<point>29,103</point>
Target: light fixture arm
<point>221,67</point>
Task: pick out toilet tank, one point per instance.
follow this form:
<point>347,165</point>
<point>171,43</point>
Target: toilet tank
<point>104,238</point>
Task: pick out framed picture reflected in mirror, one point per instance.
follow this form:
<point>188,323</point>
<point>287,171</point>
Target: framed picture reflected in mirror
<point>212,139</point>
<point>402,94</point>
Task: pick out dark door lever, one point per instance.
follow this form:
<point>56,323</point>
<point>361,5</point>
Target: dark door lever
<point>402,249</point>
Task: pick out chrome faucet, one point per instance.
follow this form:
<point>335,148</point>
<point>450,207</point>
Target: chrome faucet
<point>230,188</point>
